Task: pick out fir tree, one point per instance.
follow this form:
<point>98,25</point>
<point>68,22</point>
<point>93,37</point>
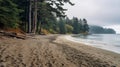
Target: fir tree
<point>75,26</point>
<point>9,14</point>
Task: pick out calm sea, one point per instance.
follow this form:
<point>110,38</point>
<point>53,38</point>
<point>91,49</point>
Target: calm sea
<point>109,42</point>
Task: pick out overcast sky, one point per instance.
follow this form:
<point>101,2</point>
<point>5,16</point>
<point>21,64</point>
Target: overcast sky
<point>97,12</point>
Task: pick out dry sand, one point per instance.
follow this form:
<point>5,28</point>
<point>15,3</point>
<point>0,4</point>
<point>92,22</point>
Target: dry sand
<point>53,51</point>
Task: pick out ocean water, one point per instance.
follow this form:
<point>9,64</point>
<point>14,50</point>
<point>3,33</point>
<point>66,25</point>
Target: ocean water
<point>110,42</point>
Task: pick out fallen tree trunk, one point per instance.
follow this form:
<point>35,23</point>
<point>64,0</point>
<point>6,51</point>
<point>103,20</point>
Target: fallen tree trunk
<point>12,34</point>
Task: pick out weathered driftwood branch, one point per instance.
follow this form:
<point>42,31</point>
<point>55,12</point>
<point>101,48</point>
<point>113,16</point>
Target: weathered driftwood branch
<point>12,34</point>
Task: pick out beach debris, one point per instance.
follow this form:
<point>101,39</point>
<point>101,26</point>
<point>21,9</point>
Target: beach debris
<point>12,34</point>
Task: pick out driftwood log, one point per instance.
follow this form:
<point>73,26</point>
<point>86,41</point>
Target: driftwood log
<point>12,34</point>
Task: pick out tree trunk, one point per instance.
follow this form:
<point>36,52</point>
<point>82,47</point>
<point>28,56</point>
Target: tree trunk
<point>29,22</point>
<point>35,17</point>
<point>40,28</point>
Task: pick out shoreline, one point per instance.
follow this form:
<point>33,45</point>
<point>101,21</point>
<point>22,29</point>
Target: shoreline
<point>53,51</point>
<point>97,44</point>
<point>102,54</point>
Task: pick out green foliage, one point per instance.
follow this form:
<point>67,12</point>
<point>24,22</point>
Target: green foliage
<point>101,30</point>
<point>14,13</point>
<point>69,28</point>
<point>69,21</point>
<point>109,31</point>
<point>75,25</point>
<point>85,26</point>
<point>62,26</point>
<point>80,26</point>
<point>56,6</point>
<point>9,14</point>
<point>48,11</point>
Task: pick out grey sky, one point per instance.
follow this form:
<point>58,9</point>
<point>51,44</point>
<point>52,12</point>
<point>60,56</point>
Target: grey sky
<point>97,12</point>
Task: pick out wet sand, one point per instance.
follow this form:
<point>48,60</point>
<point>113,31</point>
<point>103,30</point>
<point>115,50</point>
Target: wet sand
<point>53,51</point>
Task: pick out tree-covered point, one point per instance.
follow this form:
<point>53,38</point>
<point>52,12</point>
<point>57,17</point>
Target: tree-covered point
<point>100,30</point>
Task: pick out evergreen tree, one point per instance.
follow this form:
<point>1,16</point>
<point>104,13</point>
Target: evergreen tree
<point>35,15</point>
<point>68,21</point>
<point>62,26</point>
<point>100,30</point>
<point>29,18</point>
<point>49,9</point>
<point>75,25</point>
<point>9,14</point>
<point>80,26</point>
<point>85,26</point>
<point>24,14</point>
<point>69,29</point>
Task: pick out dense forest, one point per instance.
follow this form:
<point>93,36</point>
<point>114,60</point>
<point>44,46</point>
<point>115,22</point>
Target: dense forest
<point>100,30</point>
<point>39,16</point>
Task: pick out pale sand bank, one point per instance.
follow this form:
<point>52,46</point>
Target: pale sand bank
<point>53,51</point>
<point>104,55</point>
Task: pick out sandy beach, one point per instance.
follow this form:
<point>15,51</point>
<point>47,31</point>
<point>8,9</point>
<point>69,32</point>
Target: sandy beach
<point>53,51</point>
